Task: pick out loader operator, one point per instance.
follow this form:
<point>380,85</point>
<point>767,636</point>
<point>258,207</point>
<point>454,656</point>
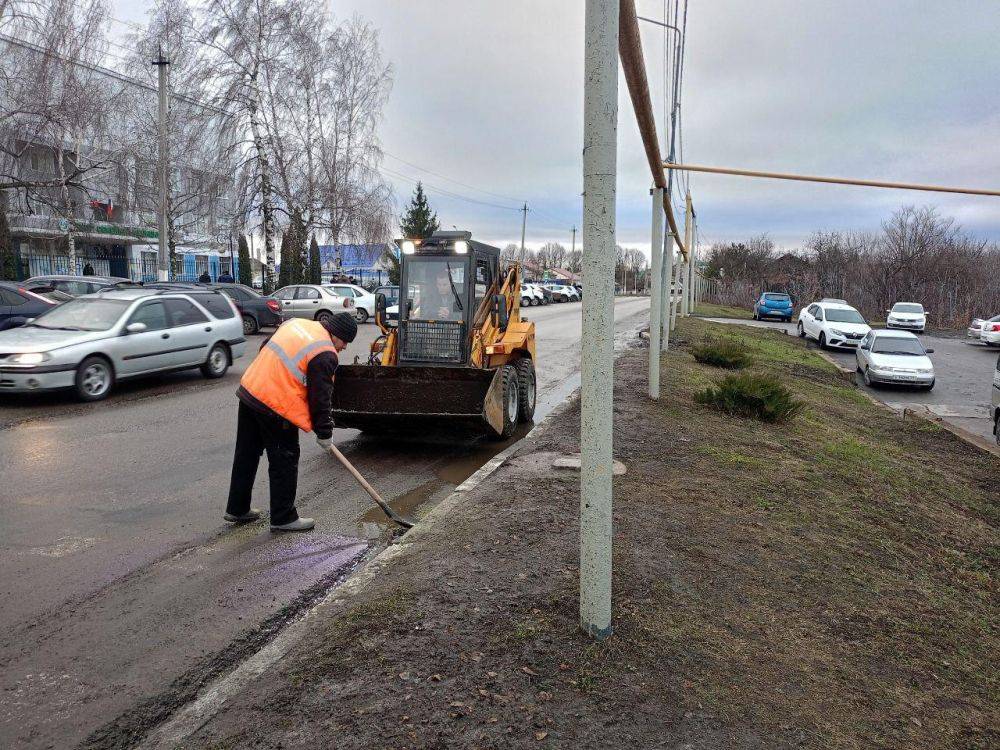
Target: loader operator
<point>441,301</point>
<point>287,388</point>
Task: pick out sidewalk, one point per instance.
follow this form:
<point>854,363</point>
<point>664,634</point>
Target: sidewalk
<point>828,583</point>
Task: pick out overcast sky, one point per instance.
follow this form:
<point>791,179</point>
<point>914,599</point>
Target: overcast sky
<point>489,95</point>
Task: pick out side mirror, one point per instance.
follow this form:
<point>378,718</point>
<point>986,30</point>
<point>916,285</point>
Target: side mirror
<point>929,351</point>
<point>136,328</point>
<point>500,312</point>
<point>380,310</point>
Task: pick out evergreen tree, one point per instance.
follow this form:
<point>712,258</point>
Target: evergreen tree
<point>286,260</point>
<point>8,263</point>
<point>315,264</point>
<point>300,249</point>
<point>392,262</point>
<point>419,222</point>
<point>245,269</point>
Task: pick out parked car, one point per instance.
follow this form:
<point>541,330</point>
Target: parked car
<point>989,334</point>
<point>18,305</point>
<point>77,285</point>
<point>90,343</point>
<point>256,310</point>
<point>909,316</point>
<point>975,328</point>
<point>995,402</point>
<point>773,305</point>
<point>895,357</point>
<point>530,296</point>
<point>546,293</point>
<point>364,301</point>
<point>563,292</point>
<point>312,301</point>
<point>832,324</point>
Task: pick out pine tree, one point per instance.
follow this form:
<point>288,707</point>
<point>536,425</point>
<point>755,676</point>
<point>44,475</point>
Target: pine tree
<point>8,263</point>
<point>315,265</point>
<point>245,269</point>
<point>300,249</point>
<point>392,261</point>
<point>419,222</point>
<point>285,258</point>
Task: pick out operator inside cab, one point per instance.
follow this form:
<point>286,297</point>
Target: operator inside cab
<point>440,294</point>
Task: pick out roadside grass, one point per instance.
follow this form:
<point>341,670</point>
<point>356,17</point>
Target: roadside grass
<point>837,573</point>
<point>707,310</point>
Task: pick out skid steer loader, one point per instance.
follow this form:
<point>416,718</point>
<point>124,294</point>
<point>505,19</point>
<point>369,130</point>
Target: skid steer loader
<point>458,357</point>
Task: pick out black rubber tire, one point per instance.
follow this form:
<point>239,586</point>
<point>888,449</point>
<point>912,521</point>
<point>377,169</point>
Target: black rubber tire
<point>361,315</point>
<point>324,316</point>
<point>527,390</point>
<point>525,301</point>
<point>867,379</point>
<point>508,386</point>
<point>84,374</point>
<point>216,363</point>
<point>822,340</point>
<point>802,331</point>
<point>250,325</point>
<point>929,387</point>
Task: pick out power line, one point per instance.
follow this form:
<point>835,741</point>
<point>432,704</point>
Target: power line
<point>449,179</point>
<point>435,188</point>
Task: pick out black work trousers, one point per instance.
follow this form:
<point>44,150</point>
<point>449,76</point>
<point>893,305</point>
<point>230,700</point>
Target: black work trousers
<point>257,432</point>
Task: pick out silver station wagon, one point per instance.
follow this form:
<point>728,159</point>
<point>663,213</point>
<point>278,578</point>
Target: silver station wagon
<point>89,343</point>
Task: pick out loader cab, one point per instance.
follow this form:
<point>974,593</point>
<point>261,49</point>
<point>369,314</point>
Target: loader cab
<point>444,281</point>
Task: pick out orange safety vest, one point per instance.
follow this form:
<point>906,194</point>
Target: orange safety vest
<point>277,377</point>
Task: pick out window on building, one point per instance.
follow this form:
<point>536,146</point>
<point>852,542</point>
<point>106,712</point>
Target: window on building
<point>201,264</point>
<point>178,264</point>
<point>40,161</point>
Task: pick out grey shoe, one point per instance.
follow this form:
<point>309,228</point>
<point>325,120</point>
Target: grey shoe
<point>251,515</point>
<point>299,524</point>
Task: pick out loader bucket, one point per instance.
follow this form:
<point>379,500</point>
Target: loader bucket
<point>413,399</point>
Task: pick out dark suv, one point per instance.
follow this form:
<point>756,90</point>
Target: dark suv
<point>75,285</point>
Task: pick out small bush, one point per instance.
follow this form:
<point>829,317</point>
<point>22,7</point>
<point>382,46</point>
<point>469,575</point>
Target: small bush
<point>762,397</point>
<point>728,354</point>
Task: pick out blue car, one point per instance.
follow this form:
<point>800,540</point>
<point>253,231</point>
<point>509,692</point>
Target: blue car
<point>18,305</point>
<point>773,305</point>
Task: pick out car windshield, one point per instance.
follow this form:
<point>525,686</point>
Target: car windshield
<point>777,297</point>
<point>835,315</point>
<point>897,345</point>
<point>83,314</point>
<point>904,308</point>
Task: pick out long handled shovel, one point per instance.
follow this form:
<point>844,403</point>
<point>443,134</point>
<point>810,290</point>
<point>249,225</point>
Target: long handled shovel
<point>406,524</point>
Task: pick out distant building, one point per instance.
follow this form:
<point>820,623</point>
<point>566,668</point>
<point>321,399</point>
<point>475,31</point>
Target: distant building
<point>364,263</point>
<point>113,217</point>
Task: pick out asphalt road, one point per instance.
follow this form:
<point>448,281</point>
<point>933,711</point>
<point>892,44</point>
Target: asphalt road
<point>124,590</point>
<point>963,379</point>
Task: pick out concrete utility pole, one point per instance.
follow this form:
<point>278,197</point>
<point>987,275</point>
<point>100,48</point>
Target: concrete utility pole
<point>656,293</point>
<point>689,266</point>
<point>600,168</point>
<point>163,256</point>
<point>573,249</point>
<point>524,224</point>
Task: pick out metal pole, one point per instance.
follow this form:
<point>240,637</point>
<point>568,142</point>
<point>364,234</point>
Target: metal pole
<point>656,293</point>
<point>524,224</point>
<point>600,142</point>
<point>666,282</point>
<point>688,234</point>
<point>573,250</point>
<point>163,255</point>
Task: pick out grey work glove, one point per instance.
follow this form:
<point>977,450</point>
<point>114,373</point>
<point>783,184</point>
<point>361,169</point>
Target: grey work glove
<point>324,443</point>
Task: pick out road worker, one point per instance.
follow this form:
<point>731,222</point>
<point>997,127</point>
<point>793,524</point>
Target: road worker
<point>287,388</point>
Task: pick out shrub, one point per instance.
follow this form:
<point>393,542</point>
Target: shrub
<point>728,354</point>
<point>762,397</point>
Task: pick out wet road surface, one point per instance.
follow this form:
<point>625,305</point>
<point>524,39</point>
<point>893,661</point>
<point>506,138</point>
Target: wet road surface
<point>124,591</point>
<point>963,373</point>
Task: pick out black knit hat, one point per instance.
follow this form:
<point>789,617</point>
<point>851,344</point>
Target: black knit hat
<point>343,326</point>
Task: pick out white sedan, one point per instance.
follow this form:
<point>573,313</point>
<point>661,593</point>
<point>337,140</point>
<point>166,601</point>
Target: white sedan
<point>909,316</point>
<point>364,301</point>
<point>832,323</point>
<point>989,332</point>
<point>895,357</point>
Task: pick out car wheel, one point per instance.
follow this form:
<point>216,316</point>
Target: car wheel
<point>324,316</point>
<point>217,362</point>
<point>868,380</point>
<point>511,402</point>
<point>802,331</point>
<point>930,387</point>
<point>525,302</point>
<point>822,340</point>
<point>250,326</point>
<point>94,378</point>
<point>526,387</point>
<point>361,315</point>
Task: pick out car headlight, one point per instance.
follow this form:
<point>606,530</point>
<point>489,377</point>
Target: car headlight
<point>30,358</point>
<point>925,370</point>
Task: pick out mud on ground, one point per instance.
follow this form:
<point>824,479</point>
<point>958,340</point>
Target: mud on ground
<point>825,584</point>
